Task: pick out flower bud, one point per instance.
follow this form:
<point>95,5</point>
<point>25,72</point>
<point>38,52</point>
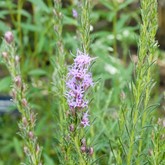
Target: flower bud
<point>13,93</point>
<point>9,37</point>
<point>83,149</point>
<point>83,142</point>
<point>5,55</point>
<point>38,149</point>
<point>91,150</point>
<point>24,102</point>
<point>71,127</point>
<point>72,112</point>
<point>32,118</point>
<point>31,135</point>
<point>24,121</point>
<point>18,81</point>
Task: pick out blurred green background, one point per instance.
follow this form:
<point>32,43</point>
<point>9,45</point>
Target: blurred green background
<point>114,37</point>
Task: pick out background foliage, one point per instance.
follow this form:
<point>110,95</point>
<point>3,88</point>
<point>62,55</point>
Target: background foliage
<point>114,35</point>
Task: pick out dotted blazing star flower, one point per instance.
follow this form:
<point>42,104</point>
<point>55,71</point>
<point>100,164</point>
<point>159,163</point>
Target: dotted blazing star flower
<point>79,79</point>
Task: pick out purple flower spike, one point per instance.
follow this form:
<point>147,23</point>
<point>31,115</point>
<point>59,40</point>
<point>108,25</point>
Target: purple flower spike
<point>79,79</point>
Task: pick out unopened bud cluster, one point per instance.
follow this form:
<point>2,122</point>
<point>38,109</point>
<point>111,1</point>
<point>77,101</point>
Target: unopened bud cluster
<point>85,149</point>
<point>32,149</point>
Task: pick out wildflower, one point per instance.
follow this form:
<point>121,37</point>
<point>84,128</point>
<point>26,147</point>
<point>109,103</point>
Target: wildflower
<point>79,79</point>
<point>9,37</point>
<point>85,120</point>
<point>74,13</point>
<point>91,150</point>
<point>18,81</point>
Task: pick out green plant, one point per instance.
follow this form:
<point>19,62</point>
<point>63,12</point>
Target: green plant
<point>19,89</point>
<point>137,117</point>
<point>123,126</point>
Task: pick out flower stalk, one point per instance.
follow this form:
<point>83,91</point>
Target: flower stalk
<point>78,82</point>
<point>75,87</point>
<point>143,81</point>
<point>59,72</point>
<point>58,87</point>
<point>85,25</point>
<point>32,149</point>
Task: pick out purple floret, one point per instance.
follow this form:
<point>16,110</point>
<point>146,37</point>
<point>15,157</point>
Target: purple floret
<point>85,120</point>
<point>74,13</point>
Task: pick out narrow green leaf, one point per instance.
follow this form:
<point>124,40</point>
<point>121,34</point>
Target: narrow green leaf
<point>5,83</point>
<point>37,72</point>
<point>17,147</point>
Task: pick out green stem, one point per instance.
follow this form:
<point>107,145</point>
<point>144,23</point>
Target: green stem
<point>142,87</point>
<point>115,33</point>
<point>85,25</point>
<point>81,159</point>
<point>19,9</point>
